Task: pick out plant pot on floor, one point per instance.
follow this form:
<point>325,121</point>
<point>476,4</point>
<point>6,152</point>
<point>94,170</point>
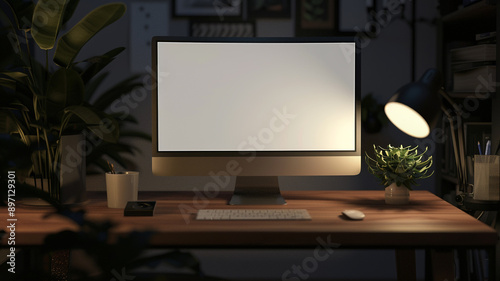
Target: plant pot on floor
<point>397,195</point>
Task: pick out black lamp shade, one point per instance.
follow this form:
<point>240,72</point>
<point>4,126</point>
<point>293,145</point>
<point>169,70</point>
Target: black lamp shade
<point>415,107</point>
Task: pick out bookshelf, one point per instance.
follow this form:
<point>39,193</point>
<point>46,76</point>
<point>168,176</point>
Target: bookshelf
<point>476,91</point>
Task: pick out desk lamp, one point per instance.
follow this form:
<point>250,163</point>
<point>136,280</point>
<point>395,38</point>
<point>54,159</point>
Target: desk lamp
<point>414,109</point>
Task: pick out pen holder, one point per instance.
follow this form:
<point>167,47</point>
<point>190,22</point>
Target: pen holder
<point>486,177</point>
<point>121,188</point>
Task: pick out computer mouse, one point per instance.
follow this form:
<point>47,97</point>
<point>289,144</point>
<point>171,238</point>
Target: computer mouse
<point>354,214</point>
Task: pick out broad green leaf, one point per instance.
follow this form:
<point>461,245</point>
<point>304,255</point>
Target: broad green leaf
<point>9,83</point>
<point>86,114</point>
<point>47,19</point>
<point>16,81</point>
<point>65,89</point>
<point>15,75</point>
<point>69,44</point>
<point>13,124</point>
<point>98,63</point>
<point>13,106</point>
<point>6,123</point>
<point>40,76</point>
<point>16,100</point>
<point>105,127</point>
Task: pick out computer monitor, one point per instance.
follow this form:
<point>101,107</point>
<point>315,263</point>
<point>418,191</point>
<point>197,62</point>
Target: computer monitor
<point>255,108</point>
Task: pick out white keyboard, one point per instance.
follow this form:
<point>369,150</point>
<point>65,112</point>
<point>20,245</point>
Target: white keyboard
<point>253,214</point>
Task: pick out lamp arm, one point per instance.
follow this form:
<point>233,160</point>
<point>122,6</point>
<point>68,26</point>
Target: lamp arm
<point>458,140</point>
<point>455,146</point>
<point>458,111</point>
<point>461,150</point>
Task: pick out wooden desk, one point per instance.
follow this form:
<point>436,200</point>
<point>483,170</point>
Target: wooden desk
<point>427,222</point>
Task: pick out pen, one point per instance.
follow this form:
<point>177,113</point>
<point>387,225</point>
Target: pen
<point>479,147</point>
<point>111,168</point>
<point>487,150</point>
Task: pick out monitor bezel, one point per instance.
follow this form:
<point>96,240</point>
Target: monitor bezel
<point>255,153</point>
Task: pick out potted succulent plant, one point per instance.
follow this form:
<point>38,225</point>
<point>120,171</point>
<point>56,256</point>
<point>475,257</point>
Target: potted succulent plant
<point>43,103</point>
<point>398,169</point>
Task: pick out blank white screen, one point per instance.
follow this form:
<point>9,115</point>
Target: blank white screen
<point>256,96</point>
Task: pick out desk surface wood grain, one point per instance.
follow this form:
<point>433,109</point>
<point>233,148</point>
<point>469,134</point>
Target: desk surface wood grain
<point>427,221</point>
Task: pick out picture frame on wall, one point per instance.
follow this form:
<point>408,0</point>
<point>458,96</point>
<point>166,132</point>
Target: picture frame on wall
<point>316,17</point>
<point>269,9</point>
<point>207,8</point>
<point>222,28</point>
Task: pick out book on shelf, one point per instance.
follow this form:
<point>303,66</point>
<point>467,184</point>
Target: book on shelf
<point>472,65</point>
<point>486,37</point>
<point>480,52</point>
<point>472,79</point>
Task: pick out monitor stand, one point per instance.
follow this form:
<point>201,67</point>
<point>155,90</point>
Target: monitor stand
<point>258,190</point>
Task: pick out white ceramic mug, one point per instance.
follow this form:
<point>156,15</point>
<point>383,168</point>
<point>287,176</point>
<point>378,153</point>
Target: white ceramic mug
<point>121,188</point>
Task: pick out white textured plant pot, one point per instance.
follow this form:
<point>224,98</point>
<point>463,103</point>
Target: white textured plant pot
<point>397,195</point>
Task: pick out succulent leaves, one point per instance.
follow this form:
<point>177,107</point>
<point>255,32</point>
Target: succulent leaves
<point>400,165</point>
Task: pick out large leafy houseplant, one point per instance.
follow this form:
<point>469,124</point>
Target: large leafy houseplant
<point>41,102</point>
<point>400,165</point>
